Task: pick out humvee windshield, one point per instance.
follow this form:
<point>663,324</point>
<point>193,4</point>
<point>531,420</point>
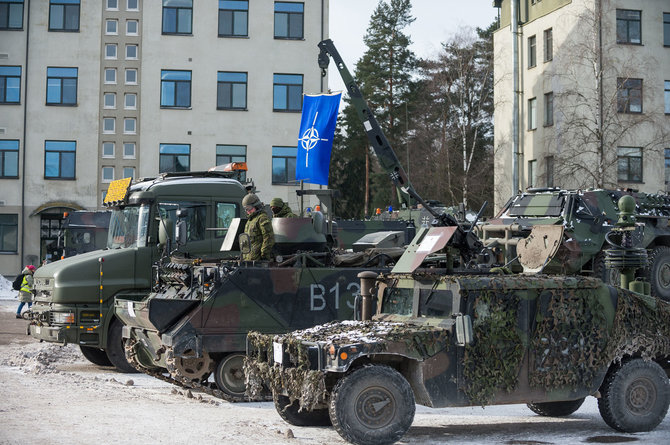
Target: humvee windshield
<point>128,227</point>
<point>538,205</point>
<point>397,301</point>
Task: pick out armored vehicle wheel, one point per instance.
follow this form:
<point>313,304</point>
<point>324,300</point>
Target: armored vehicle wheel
<point>193,368</point>
<point>291,414</point>
<point>229,376</point>
<point>116,351</point>
<point>94,355</point>
<point>658,272</point>
<point>373,405</point>
<point>608,276</point>
<point>556,409</point>
<point>635,396</point>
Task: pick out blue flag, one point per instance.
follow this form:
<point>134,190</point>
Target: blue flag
<point>315,139</point>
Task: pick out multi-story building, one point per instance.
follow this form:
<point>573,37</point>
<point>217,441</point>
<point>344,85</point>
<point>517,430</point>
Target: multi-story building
<point>593,95</point>
<point>92,91</point>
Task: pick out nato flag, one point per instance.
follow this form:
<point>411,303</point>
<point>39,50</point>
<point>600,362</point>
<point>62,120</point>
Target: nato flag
<point>315,140</point>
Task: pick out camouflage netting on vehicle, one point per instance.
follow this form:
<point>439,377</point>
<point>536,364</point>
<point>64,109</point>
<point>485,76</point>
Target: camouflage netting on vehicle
<point>494,360</point>
<point>570,336</point>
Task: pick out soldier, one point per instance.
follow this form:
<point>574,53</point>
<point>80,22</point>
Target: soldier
<point>259,229</point>
<point>280,209</point>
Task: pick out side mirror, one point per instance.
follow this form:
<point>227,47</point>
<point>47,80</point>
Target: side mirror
<point>180,233</point>
<point>245,243</point>
<point>165,229</point>
<point>464,335</point>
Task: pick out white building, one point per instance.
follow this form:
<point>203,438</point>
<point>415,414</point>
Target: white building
<point>593,95</point>
<point>92,91</point>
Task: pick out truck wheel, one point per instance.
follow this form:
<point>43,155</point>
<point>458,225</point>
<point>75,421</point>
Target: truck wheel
<point>291,414</point>
<point>556,409</point>
<point>635,396</point>
<point>373,405</point>
<point>229,376</point>
<point>94,355</point>
<point>658,272</point>
<point>115,349</point>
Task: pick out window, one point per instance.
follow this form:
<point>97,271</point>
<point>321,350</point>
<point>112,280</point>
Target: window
<point>110,100</point>
<point>549,164</point>
<point>287,92</point>
<point>107,174</point>
<point>175,89</point>
<point>289,20</point>
<point>129,172</point>
<point>111,27</point>
<point>532,52</point>
<point>177,16</point>
<point>225,212</point>
<point>131,76</point>
<point>64,15</point>
<point>667,96</point>
<point>128,150</point>
<point>231,91</point>
<point>131,51</point>
<point>110,51</point>
<point>667,166</point>
<point>9,159</point>
<point>62,86</point>
<point>233,18</point>
<point>628,27</point>
<point>129,125</point>
<point>110,75</point>
<point>549,109</point>
<point>225,154</point>
<point>666,29</point>
<point>532,113</point>
<point>59,159</point>
<point>130,102</point>
<point>108,149</point>
<point>11,14</point>
<point>9,232</point>
<point>174,158</point>
<point>113,5</point>
<point>283,165</point>
<point>532,172</point>
<point>629,164</point>
<point>132,27</point>
<point>132,5</point>
<point>108,125</point>
<point>629,95</point>
<point>10,84</point>
<point>548,44</point>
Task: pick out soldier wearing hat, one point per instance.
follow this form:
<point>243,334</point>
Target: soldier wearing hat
<point>259,229</point>
<point>280,209</point>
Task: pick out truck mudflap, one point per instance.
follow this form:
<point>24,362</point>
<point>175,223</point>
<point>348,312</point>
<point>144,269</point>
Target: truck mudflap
<point>156,314</point>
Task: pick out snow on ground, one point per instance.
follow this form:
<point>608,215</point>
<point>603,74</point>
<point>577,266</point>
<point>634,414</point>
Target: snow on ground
<point>6,291</point>
<point>51,394</point>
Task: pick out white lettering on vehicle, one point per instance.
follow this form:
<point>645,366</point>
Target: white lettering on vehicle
<point>317,295</point>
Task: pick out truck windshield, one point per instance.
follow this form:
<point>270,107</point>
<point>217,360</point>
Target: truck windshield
<point>128,227</point>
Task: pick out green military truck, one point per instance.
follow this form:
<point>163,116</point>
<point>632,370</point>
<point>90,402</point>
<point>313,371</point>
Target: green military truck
<point>74,297</point>
<point>585,217</point>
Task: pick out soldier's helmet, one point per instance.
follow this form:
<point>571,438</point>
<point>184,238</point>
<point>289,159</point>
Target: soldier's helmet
<point>276,202</point>
<point>251,200</point>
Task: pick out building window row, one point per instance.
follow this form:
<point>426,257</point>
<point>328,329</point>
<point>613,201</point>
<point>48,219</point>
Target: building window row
<point>548,111</point>
<point>548,39</point>
<point>629,164</point>
<point>131,5</point>
<point>109,125</point>
<point>109,150</point>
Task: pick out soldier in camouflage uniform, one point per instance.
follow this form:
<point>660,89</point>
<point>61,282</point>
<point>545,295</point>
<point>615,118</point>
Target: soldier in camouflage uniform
<point>259,229</point>
<point>280,209</point>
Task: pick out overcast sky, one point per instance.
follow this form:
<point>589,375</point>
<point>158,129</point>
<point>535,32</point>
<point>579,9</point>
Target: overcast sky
<point>436,21</point>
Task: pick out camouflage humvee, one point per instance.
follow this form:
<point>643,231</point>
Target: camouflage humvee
<point>480,338</point>
<point>585,217</point>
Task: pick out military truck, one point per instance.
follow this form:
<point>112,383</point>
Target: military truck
<point>83,231</point>
<point>585,217</point>
<point>74,297</point>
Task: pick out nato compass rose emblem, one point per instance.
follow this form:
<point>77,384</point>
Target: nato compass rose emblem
<point>310,138</point>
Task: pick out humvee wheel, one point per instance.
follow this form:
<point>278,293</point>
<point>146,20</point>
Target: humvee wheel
<point>556,409</point>
<point>229,376</point>
<point>291,414</point>
<point>116,351</point>
<point>635,396</point>
<point>373,405</point>
<point>658,272</point>
<point>95,355</point>
<point>190,367</point>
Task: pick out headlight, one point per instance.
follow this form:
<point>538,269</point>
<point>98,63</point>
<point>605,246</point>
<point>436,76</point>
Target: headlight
<point>62,317</point>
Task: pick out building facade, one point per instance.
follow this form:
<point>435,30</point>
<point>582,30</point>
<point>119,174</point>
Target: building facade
<point>593,95</point>
<point>92,91</point>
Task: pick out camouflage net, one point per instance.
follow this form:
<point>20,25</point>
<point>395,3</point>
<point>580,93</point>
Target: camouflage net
<point>494,360</point>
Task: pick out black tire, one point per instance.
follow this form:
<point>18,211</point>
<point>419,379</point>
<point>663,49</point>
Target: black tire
<point>608,276</point>
<point>115,349</point>
<point>94,355</point>
<point>635,396</point>
<point>229,375</point>
<point>291,414</point>
<point>374,405</point>
<point>658,272</point>
<point>556,409</point>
